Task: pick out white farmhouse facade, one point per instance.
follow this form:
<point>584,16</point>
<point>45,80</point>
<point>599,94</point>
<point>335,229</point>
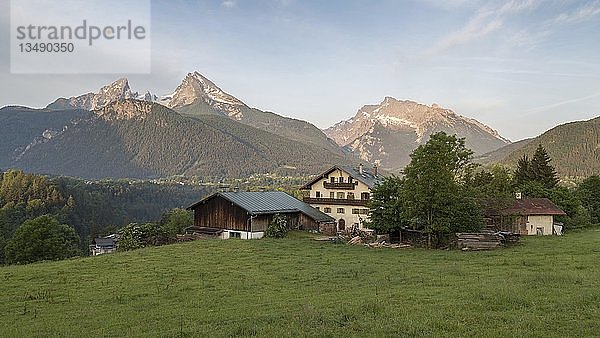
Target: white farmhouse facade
<point>343,193</point>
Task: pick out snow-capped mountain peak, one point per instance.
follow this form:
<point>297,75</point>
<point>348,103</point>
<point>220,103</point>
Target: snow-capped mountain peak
<point>197,87</point>
<point>389,131</point>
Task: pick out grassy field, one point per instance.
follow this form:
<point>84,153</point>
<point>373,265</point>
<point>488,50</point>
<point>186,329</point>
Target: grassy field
<point>298,287</point>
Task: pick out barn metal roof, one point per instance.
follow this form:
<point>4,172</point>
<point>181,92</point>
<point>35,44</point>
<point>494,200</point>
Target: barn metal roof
<point>269,202</point>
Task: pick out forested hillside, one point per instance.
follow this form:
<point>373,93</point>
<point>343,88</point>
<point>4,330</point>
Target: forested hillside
<point>91,208</point>
<point>136,139</point>
<point>574,148</point>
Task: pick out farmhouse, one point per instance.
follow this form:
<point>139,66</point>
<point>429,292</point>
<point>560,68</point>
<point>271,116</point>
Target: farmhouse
<point>104,245</point>
<point>247,214</point>
<point>525,216</point>
<point>343,192</point>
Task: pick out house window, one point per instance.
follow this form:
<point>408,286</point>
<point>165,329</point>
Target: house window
<point>235,234</point>
<point>340,210</point>
<point>341,179</point>
<point>340,195</point>
<point>332,179</point>
<point>318,194</point>
<point>355,211</point>
<point>331,194</point>
<point>350,179</point>
<point>327,210</point>
<point>350,196</point>
<point>365,195</point>
<point>364,211</point>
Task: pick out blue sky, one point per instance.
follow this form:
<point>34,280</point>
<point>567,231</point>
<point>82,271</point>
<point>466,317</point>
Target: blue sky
<point>521,67</point>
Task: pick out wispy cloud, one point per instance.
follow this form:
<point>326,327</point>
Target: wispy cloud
<point>561,103</point>
<point>582,13</point>
<point>228,4</point>
<point>532,37</point>
<point>485,21</point>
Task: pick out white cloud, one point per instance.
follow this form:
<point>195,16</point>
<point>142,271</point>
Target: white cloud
<point>486,20</point>
<point>228,4</point>
<point>581,14</point>
<point>532,37</point>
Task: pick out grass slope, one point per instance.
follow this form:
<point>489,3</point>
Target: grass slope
<point>296,287</point>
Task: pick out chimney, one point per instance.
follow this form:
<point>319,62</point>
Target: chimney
<point>518,195</point>
<point>360,168</point>
<point>375,169</point>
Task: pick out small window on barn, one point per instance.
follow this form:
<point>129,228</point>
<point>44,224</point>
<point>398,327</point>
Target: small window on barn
<point>340,210</point>
<point>355,211</point>
<point>327,210</point>
<point>235,234</point>
<point>340,195</point>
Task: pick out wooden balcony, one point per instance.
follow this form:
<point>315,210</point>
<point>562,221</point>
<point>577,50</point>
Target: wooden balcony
<point>340,186</point>
<point>336,201</point>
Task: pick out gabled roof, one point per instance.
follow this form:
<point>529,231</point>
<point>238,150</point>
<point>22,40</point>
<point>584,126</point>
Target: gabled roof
<point>269,202</point>
<point>105,242</point>
<point>367,177</point>
<point>528,206</point>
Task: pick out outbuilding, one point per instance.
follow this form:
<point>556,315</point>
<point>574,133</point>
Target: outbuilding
<point>247,214</point>
<point>525,216</point>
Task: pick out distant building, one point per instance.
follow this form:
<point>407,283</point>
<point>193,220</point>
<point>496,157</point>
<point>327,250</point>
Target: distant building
<point>344,193</point>
<point>104,245</point>
<point>525,216</point>
<point>247,214</point>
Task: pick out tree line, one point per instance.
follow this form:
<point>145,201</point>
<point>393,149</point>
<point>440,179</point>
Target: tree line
<point>442,191</point>
<point>90,208</point>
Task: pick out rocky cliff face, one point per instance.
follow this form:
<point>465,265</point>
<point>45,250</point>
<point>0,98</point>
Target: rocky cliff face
<point>118,90</point>
<point>390,131</point>
<point>196,87</point>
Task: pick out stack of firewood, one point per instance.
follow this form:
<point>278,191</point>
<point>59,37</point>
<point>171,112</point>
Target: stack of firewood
<point>479,241</point>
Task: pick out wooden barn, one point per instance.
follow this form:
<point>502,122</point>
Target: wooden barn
<point>247,214</point>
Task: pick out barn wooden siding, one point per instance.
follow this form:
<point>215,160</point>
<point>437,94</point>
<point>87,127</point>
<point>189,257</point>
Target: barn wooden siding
<point>220,213</point>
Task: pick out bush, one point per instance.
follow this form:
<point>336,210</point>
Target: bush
<point>42,238</point>
<point>278,227</point>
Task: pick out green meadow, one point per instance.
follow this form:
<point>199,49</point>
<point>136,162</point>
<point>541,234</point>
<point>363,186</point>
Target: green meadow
<point>547,286</point>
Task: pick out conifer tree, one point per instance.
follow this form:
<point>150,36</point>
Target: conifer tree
<point>541,170</point>
<point>522,172</point>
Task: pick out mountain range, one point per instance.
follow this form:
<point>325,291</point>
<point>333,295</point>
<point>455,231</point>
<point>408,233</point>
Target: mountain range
<point>388,132</point>
<point>199,129</point>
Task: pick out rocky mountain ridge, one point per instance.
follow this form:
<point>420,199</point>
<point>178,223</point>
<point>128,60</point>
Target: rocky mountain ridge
<point>389,131</point>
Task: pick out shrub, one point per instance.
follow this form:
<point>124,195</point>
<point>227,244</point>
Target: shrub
<point>278,227</point>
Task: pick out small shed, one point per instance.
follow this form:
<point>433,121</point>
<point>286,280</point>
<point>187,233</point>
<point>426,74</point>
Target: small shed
<point>525,216</point>
<point>247,214</point>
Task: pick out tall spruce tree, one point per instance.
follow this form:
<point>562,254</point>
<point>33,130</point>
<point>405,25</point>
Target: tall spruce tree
<point>522,172</point>
<point>540,169</point>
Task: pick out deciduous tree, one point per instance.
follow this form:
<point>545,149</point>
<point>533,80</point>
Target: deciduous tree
<point>42,238</point>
